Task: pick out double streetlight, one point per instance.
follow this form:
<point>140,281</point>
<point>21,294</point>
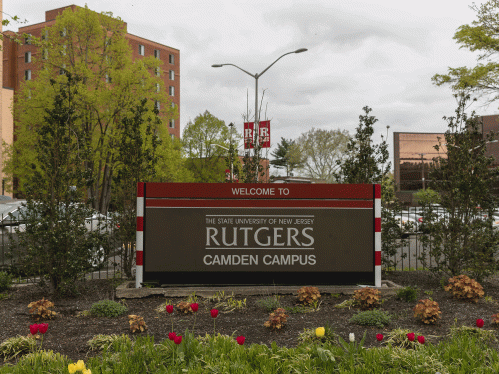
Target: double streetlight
<point>256,76</point>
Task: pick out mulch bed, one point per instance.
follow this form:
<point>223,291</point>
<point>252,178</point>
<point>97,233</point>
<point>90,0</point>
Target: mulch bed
<point>68,333</point>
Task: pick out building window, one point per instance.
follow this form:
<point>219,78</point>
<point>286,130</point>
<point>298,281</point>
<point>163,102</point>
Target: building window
<point>63,33</point>
<point>157,71</point>
<point>27,39</point>
<point>27,75</point>
<point>156,53</point>
<point>172,123</point>
<point>108,79</point>
<point>62,71</point>
<point>173,105</point>
<point>157,87</point>
<point>27,57</point>
<point>172,59</point>
<point>156,104</point>
<point>141,50</point>
<point>45,54</point>
<point>172,75</point>
<point>172,91</point>
<point>45,34</point>
<point>172,136</point>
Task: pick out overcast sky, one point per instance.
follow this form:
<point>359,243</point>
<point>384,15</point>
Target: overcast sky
<point>380,53</point>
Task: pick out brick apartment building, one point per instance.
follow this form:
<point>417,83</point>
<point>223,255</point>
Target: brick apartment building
<point>18,66</point>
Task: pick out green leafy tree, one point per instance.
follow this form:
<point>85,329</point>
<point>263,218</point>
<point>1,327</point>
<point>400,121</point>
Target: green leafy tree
<point>205,158</point>
<point>92,47</point>
<point>364,162</point>
<point>282,157</point>
<point>315,153</point>
<point>480,37</point>
<point>138,149</point>
<point>465,242</point>
<point>55,242</point>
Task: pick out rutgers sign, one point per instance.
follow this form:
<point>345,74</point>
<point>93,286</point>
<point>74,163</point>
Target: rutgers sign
<point>264,130</point>
<point>258,233</point>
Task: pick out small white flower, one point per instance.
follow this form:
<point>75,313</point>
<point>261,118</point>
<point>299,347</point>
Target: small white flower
<point>351,337</point>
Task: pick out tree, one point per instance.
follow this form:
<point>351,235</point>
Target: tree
<point>482,37</point>
<point>464,242</point>
<point>205,158</point>
<point>363,162</point>
<point>92,47</point>
<point>55,242</point>
<point>282,157</point>
<point>315,153</point>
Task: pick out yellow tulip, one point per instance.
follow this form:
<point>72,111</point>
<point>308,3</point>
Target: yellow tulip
<point>320,331</point>
<point>88,371</point>
<point>72,368</point>
<point>80,365</point>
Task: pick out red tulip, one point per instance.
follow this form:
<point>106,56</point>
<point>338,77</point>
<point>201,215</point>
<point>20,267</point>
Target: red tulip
<point>240,340</point>
<point>33,329</point>
<point>178,339</point>
<point>171,335</point>
<point>194,307</point>
<point>42,327</point>
<point>479,323</point>
<point>411,336</point>
<point>379,337</point>
<point>169,309</point>
<point>214,313</point>
<point>421,339</point>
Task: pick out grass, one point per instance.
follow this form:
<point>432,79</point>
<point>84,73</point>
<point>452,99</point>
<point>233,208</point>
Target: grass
<point>463,352</point>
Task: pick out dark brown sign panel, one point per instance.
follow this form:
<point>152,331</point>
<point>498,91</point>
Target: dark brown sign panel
<point>256,234</point>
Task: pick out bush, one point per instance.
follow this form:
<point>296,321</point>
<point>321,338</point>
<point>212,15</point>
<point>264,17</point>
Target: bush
<point>309,336</point>
<point>137,323</point>
<point>5,281</point>
<point>270,303</point>
<point>308,295</point>
<point>407,294</point>
<point>367,298</point>
<point>15,346</point>
<point>108,308</point>
<point>373,317</point>
<point>464,288</point>
<point>427,311</point>
<point>40,309</point>
<point>277,319</point>
<point>101,342</point>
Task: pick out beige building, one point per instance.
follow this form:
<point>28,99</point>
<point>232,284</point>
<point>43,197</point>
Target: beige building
<point>6,119</point>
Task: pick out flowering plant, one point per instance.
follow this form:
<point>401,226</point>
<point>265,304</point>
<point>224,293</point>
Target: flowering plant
<point>320,331</point>
<point>169,310</point>
<point>194,307</point>
<point>214,315</point>
<point>421,339</point>
<point>411,336</point>
<point>240,340</point>
<point>79,366</point>
<point>379,337</point>
<point>171,335</point>
<point>479,323</point>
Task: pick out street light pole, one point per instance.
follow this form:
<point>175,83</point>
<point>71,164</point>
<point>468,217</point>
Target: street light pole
<point>256,128</point>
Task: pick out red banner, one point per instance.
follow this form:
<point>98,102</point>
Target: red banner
<point>264,131</point>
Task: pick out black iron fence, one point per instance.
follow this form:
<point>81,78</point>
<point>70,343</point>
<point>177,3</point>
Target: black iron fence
<point>107,264</point>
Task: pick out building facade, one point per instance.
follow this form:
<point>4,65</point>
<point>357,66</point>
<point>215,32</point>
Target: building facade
<point>413,154</point>
<point>18,60</point>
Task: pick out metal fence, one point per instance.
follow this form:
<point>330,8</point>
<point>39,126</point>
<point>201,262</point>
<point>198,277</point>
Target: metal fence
<point>109,266</point>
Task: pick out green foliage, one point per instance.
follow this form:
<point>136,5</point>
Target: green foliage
<point>282,157</point>
<point>407,294</point>
<point>269,303</point>
<point>16,346</point>
<point>486,336</point>
<point>373,317</point>
<point>309,336</point>
<point>92,47</point>
<point>481,37</point>
<point>108,308</point>
<point>362,160</point>
<point>205,159</point>
<point>227,303</point>
<point>398,338</point>
<point>315,153</point>
<point>464,242</point>
<point>5,281</point>
<point>55,242</point>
